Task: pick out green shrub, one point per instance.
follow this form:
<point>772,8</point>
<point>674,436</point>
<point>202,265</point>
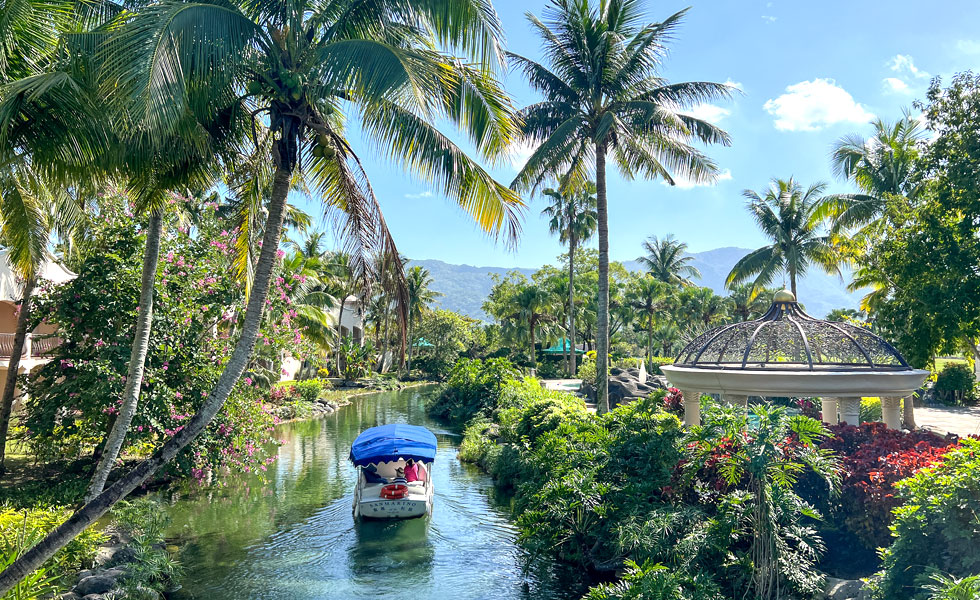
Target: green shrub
<point>472,389</point>
<point>870,410</point>
<point>656,362</point>
<point>937,527</point>
<point>656,582</point>
<point>551,369</point>
<point>587,371</point>
<point>153,569</point>
<point>627,362</point>
<point>308,389</point>
<point>21,529</point>
<point>955,384</point>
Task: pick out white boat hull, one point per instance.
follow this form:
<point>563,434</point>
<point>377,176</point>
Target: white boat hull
<point>369,502</point>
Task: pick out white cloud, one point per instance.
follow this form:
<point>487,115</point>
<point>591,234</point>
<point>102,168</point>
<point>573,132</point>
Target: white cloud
<point>425,194</point>
<point>903,63</point>
<point>708,112</point>
<point>735,84</point>
<point>968,46</point>
<point>769,18</point>
<point>896,85</point>
<point>686,184</point>
<point>813,105</point>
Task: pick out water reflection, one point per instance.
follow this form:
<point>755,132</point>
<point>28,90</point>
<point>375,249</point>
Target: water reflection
<point>291,536</point>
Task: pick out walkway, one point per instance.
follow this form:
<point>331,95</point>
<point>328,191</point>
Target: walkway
<point>961,420</point>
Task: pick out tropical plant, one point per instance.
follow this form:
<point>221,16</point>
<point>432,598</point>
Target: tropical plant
<point>748,302</point>
<point>790,217</point>
<point>573,217</point>
<point>665,260</point>
<point>650,297</point>
<point>420,296</point>
<point>766,461</point>
<point>702,306</point>
<point>298,62</point>
<point>605,97</point>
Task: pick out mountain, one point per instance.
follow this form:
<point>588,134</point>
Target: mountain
<point>466,287</point>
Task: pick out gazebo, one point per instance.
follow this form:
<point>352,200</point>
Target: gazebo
<point>787,352</point>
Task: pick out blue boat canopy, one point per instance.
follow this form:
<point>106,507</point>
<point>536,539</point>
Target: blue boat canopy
<point>388,443</point>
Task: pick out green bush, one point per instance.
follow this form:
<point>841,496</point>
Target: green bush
<point>870,410</point>
<point>153,569</point>
<point>627,362</point>
<point>937,527</point>
<point>21,529</point>
<point>308,389</point>
<point>955,384</point>
<point>550,369</point>
<point>587,370</point>
<point>472,389</point>
<point>658,361</point>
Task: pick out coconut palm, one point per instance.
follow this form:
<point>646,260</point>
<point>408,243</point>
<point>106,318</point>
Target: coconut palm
<point>420,296</point>
<point>748,302</point>
<point>665,259</point>
<point>650,297</point>
<point>790,217</point>
<point>605,98</point>
<point>303,66</point>
<point>666,337</point>
<point>572,215</point>
<point>532,308</point>
<point>703,306</point>
<point>882,167</point>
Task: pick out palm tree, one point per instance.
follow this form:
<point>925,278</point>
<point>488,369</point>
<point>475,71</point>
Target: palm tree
<point>650,297</point>
<point>667,336</point>
<point>301,65</point>
<point>703,306</point>
<point>748,302</point>
<point>573,217</point>
<point>665,260</point>
<point>882,167</point>
<point>605,98</point>
<point>532,303</point>
<point>790,217</point>
<point>420,296</point>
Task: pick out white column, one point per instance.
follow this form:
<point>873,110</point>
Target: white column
<point>828,410</point>
<point>692,407</point>
<point>850,411</point>
<point>737,400</point>
<point>891,412</point>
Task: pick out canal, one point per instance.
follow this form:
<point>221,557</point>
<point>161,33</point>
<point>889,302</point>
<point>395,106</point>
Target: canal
<point>289,534</point>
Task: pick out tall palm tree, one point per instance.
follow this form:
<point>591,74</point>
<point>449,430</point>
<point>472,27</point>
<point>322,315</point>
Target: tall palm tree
<point>650,297</point>
<point>605,97</point>
<point>420,296</point>
<point>881,167</point>
<point>665,260</point>
<point>303,66</point>
<point>790,217</point>
<point>573,217</point>
<point>667,336</point>
<point>532,308</point>
<point>703,305</point>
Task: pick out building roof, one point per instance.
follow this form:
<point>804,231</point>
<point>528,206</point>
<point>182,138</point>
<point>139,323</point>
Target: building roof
<point>10,286</point>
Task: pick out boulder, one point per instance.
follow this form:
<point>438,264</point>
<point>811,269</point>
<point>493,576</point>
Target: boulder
<point>94,584</point>
<point>844,589</point>
<point>82,575</point>
<point>68,596</point>
<point>625,385</point>
<point>121,557</point>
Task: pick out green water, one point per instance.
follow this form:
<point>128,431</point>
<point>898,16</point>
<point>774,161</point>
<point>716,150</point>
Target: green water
<point>291,536</point>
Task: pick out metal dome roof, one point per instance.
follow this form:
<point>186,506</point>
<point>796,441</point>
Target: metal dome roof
<point>788,339</point>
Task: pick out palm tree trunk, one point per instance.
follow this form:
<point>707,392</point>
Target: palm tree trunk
<point>571,303</point>
<point>411,327</point>
<point>20,338</point>
<point>137,359</point>
<point>534,363</point>
<point>95,508</point>
<point>650,338</point>
<point>340,330</point>
<point>602,314</point>
<point>792,282</point>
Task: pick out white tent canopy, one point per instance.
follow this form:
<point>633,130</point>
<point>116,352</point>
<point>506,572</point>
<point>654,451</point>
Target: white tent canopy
<point>11,286</point>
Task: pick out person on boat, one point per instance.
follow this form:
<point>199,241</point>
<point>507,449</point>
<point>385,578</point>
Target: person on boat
<point>414,471</point>
<point>399,476</point>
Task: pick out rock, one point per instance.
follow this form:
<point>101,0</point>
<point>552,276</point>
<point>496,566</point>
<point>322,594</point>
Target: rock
<point>106,553</point>
<point>844,589</point>
<point>94,597</point>
<point>68,596</point>
<point>121,557</point>
<point>587,390</point>
<point>115,572</point>
<point>94,584</point>
<point>83,575</point>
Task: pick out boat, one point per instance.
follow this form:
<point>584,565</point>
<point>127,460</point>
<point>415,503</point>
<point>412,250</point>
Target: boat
<point>381,492</point>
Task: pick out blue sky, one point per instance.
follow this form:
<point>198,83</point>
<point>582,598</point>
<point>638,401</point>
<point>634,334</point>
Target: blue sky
<point>810,72</point>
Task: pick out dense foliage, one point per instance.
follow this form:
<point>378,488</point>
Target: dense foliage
<point>937,527</point>
<point>873,460</point>
<point>473,389</point>
<point>74,398</point>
